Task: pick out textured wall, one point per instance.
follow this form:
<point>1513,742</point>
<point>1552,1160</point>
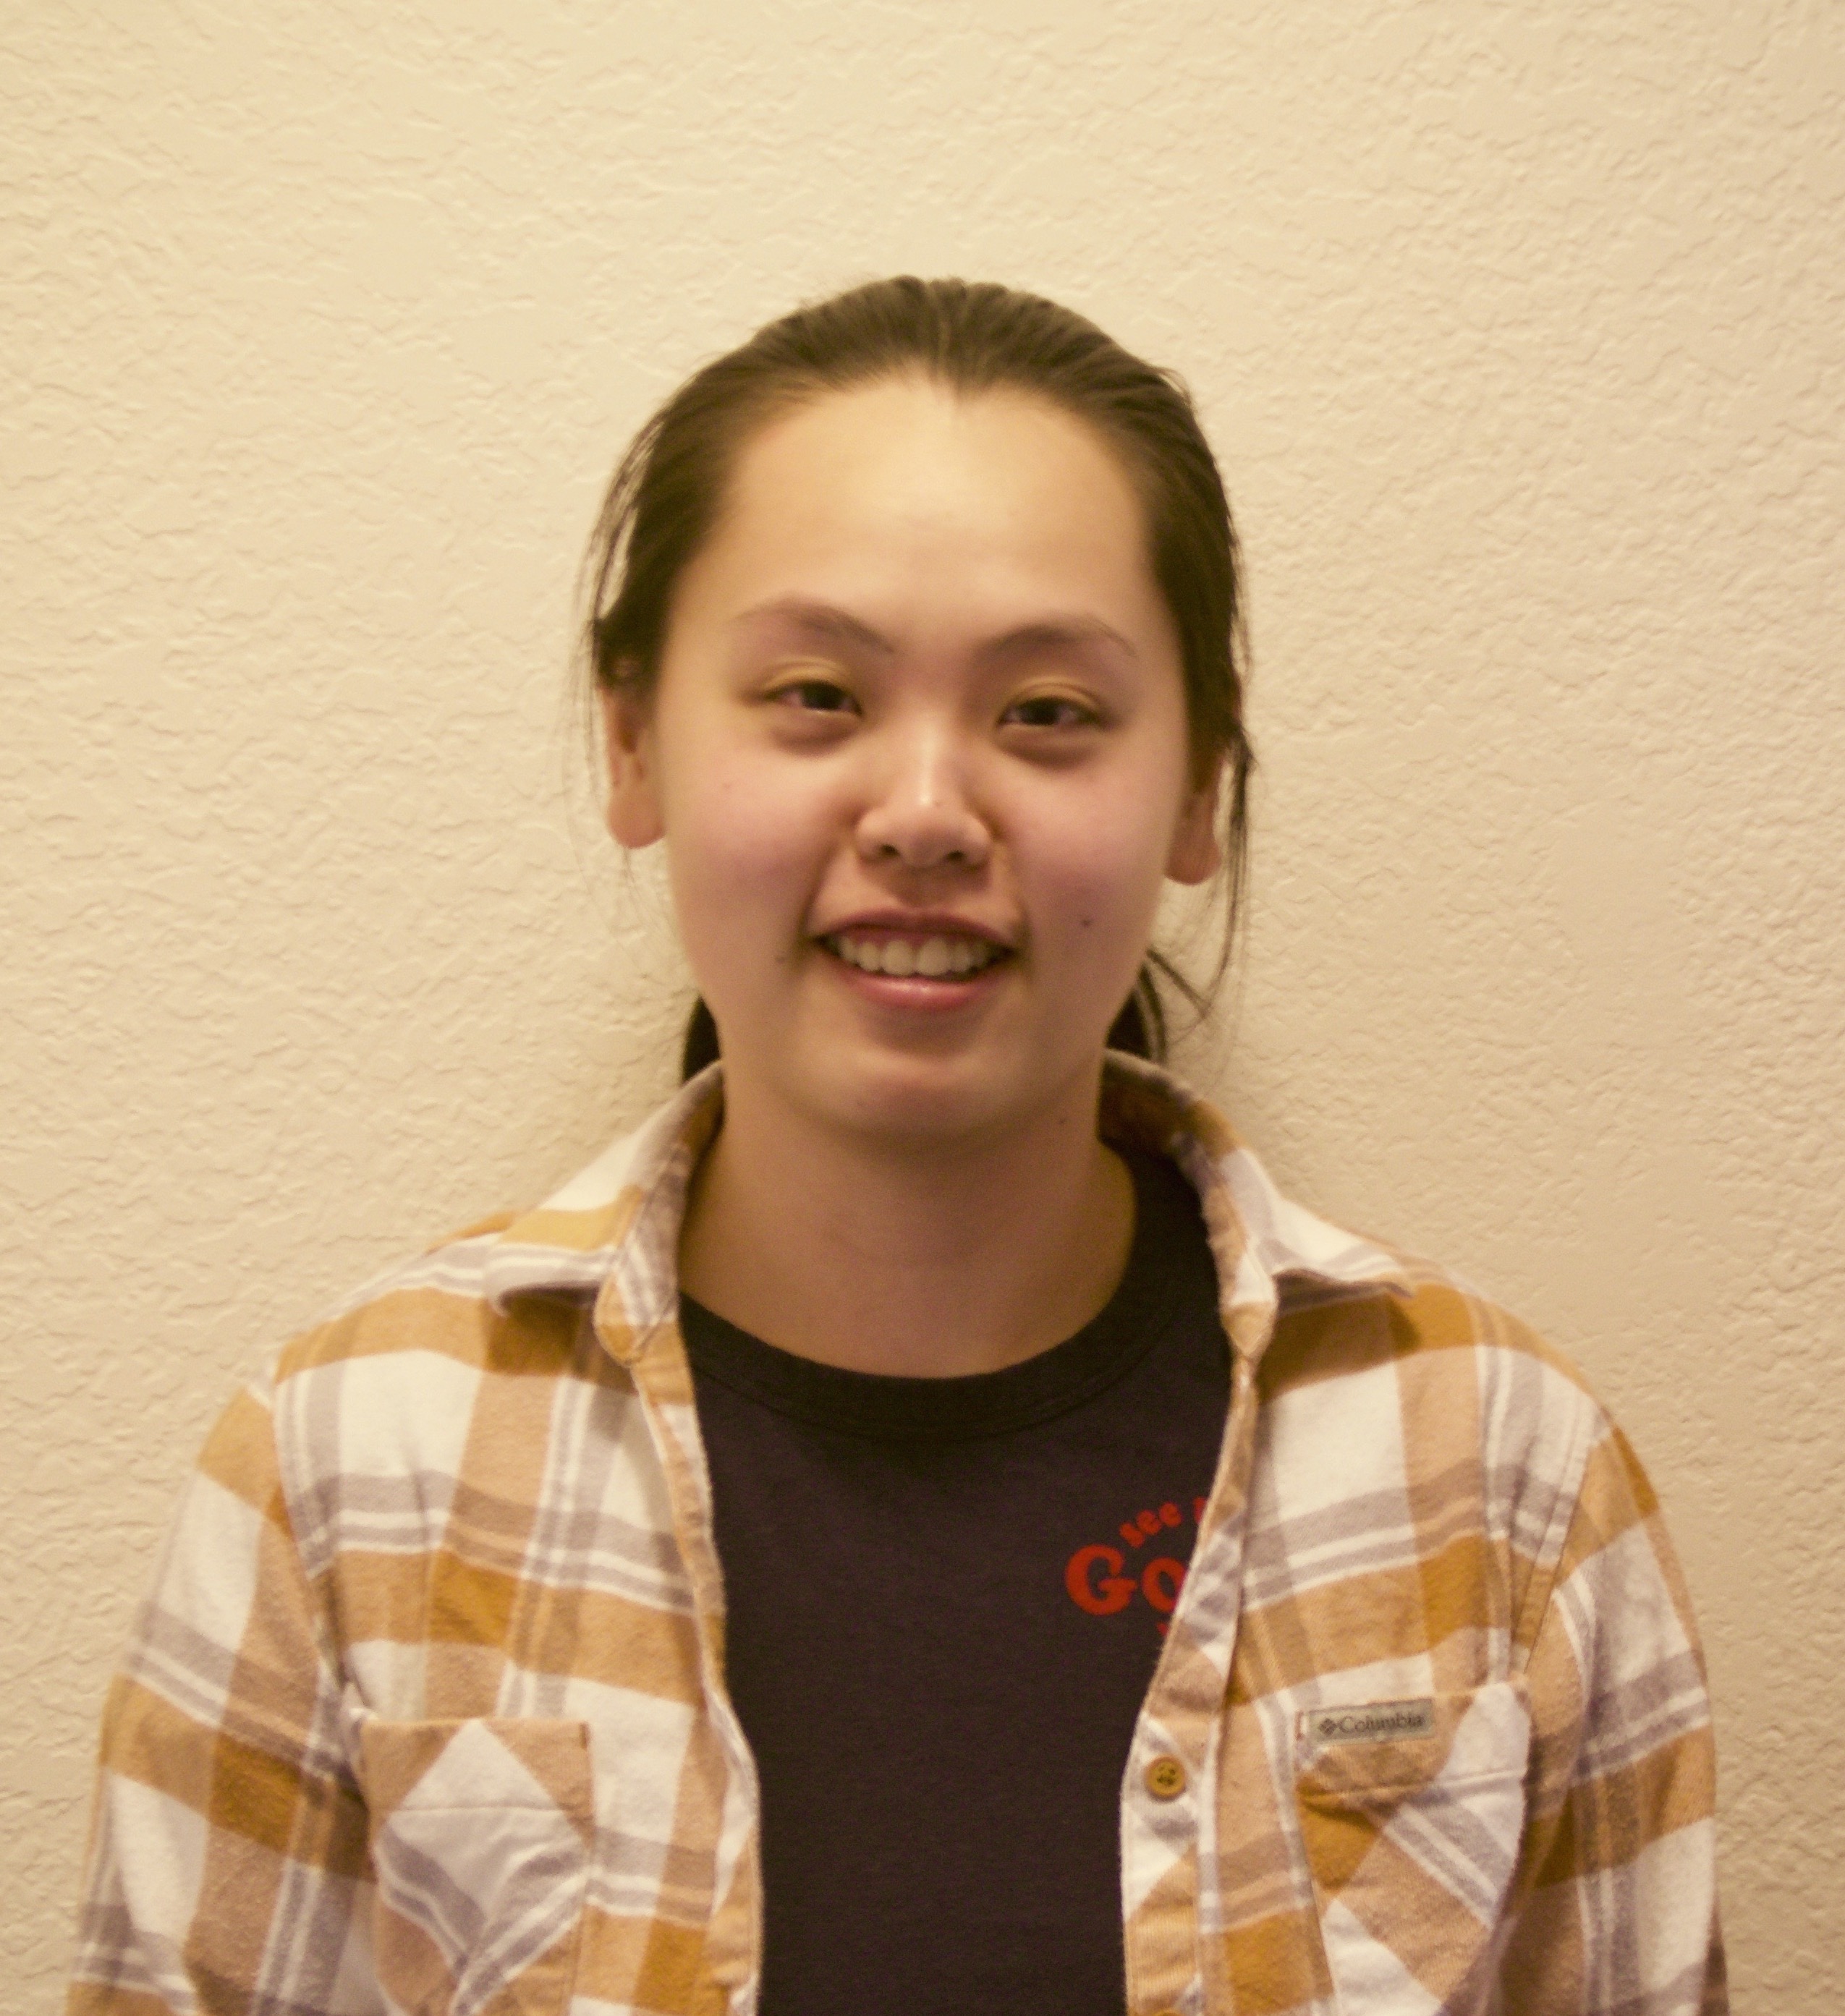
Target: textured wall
<point>1518,330</point>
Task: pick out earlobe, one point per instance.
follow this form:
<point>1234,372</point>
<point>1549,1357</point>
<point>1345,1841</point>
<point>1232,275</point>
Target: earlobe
<point>633,808</point>
<point>1197,854</point>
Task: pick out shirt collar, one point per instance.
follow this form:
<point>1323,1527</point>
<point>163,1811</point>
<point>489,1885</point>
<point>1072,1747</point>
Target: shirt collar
<point>617,1220</point>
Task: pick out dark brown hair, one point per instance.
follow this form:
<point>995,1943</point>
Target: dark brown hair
<point>971,337</point>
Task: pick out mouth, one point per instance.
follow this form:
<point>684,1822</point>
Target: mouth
<point>900,954</point>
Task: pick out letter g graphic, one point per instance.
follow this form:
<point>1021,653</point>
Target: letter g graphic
<point>1106,1594</point>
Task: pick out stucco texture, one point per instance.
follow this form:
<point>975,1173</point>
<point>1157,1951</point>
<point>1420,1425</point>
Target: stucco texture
<point>1518,330</point>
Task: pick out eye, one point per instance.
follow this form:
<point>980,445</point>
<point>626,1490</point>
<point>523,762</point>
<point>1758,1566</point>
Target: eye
<point>1051,710</point>
<point>814,695</point>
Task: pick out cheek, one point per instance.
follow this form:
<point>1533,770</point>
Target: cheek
<point>1099,875</point>
<point>741,854</point>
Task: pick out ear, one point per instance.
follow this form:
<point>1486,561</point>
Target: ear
<point>1196,855</point>
<point>633,808</point>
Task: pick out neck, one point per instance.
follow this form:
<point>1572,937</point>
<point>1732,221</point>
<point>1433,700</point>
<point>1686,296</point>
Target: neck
<point>927,1260</point>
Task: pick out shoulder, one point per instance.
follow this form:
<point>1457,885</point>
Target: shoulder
<point>1419,1327</point>
<point>1455,1381</point>
<point>1428,1404</point>
<point>374,1408</point>
<point>442,1320</point>
<point>437,1308</point>
<point>450,1358</point>
<point>1350,1336</point>
<point>507,1297</point>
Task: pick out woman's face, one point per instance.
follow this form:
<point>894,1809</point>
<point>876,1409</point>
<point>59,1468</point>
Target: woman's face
<point>918,751</point>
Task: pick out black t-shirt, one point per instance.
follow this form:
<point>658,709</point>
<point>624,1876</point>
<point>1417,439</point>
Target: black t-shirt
<point>945,1600</point>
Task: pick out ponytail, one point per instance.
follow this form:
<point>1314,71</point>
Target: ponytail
<point>700,1047</point>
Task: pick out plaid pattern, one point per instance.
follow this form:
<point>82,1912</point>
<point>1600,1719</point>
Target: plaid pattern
<point>426,1712</point>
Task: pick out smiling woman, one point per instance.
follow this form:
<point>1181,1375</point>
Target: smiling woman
<point>920,697</point>
<point>666,497</point>
<point>688,1595</point>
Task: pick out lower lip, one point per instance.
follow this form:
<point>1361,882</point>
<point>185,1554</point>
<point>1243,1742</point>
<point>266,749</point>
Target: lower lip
<point>914,994</point>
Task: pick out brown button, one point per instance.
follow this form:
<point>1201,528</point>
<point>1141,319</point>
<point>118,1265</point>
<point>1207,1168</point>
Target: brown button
<point>1166,1778</point>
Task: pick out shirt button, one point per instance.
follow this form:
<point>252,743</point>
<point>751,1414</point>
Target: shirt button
<point>1166,1778</point>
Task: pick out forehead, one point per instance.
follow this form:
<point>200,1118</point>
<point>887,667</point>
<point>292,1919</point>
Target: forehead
<point>905,480</point>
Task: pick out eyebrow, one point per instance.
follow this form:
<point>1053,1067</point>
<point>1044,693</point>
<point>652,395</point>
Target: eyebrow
<point>1054,631</point>
<point>815,619</point>
<point>822,621</point>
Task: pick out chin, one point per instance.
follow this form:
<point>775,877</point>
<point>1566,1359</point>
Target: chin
<point>924,1102</point>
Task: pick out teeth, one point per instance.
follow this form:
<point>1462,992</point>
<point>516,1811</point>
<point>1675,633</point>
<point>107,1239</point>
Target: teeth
<point>934,958</point>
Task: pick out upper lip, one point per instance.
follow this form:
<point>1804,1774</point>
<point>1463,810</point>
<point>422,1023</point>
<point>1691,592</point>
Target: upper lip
<point>920,924</point>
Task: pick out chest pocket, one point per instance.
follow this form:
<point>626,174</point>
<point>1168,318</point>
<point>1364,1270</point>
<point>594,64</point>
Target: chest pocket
<point>1411,1811</point>
<point>479,1834</point>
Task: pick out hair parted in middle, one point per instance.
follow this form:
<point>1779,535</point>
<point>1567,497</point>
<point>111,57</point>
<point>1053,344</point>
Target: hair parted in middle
<point>969,337</point>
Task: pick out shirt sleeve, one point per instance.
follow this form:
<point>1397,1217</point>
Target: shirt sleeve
<point>1618,1909</point>
<point>227,1865</point>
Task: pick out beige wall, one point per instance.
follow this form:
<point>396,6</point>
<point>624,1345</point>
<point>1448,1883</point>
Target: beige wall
<point>1518,330</point>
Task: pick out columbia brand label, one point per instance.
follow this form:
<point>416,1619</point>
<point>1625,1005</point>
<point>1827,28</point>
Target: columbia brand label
<point>1377,1722</point>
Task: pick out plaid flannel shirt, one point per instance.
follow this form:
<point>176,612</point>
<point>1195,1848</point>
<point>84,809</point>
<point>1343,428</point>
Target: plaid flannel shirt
<point>427,1711</point>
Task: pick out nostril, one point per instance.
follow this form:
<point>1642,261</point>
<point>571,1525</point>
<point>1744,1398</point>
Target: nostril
<point>934,835</point>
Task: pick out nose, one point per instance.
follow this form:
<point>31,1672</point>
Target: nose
<point>919,812</point>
